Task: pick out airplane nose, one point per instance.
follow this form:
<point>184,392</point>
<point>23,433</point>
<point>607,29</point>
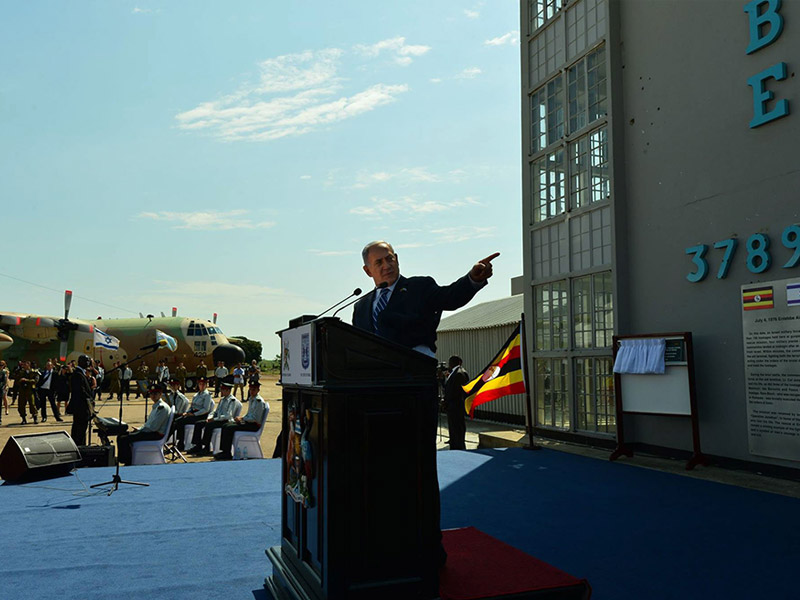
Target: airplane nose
<point>230,354</point>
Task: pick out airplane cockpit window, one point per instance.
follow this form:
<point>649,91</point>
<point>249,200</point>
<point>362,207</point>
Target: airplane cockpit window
<point>203,330</point>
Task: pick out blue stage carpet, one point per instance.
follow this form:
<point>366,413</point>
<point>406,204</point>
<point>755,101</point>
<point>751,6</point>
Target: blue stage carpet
<point>199,531</point>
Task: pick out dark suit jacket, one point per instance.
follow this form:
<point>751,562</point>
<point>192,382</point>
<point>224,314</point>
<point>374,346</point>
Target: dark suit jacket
<point>80,403</point>
<point>414,309</point>
<point>453,393</point>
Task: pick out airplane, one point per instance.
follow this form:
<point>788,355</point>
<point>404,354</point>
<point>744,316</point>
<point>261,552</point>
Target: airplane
<point>39,338</point>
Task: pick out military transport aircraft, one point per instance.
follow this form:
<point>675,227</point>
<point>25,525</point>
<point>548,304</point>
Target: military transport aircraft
<point>39,337</point>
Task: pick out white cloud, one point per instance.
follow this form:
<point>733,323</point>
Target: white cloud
<point>402,53</point>
<point>435,80</point>
<point>449,235</point>
<point>405,175</point>
<point>472,14</point>
<point>469,73</point>
<point>410,206</point>
<point>208,220</point>
<point>305,177</point>
<point>295,95</point>
<point>509,39</point>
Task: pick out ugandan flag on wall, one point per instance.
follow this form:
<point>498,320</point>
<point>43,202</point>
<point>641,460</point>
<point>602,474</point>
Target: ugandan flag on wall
<point>502,377</point>
<point>757,298</point>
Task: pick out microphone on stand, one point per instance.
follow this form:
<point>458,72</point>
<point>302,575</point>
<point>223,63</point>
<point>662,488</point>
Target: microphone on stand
<point>380,286</point>
<point>356,292</point>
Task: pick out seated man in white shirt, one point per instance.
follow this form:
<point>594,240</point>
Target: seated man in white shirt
<point>153,429</point>
<point>202,405</point>
<point>175,397</point>
<point>203,430</point>
<point>258,410</point>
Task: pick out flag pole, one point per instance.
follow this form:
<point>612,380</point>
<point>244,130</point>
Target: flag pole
<point>528,411</point>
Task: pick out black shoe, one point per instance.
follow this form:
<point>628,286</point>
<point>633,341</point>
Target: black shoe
<point>59,419</point>
<point>24,421</point>
<point>44,419</point>
<point>35,421</point>
<point>223,456</point>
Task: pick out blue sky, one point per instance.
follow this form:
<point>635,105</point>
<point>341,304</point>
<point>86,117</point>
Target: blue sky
<point>235,157</point>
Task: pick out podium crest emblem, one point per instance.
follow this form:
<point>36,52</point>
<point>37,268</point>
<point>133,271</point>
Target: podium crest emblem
<point>305,350</point>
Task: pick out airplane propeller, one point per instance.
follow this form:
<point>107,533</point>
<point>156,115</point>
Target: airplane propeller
<point>64,326</point>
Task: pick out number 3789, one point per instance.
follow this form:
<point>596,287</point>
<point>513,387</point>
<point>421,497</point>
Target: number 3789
<point>759,258</point>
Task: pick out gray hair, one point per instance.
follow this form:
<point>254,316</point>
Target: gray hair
<point>370,246</point>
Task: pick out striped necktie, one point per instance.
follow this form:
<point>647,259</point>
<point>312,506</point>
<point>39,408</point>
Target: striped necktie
<point>383,299</point>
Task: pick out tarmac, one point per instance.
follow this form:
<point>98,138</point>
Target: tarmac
<point>480,434</point>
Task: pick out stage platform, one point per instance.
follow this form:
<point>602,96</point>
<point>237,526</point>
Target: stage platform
<point>200,530</point>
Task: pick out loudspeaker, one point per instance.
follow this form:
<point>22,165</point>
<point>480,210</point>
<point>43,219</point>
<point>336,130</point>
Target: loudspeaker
<point>38,456</point>
<point>96,456</point>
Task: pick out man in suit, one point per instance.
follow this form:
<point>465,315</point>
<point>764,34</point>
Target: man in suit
<point>407,310</point>
<point>454,397</point>
<point>80,401</point>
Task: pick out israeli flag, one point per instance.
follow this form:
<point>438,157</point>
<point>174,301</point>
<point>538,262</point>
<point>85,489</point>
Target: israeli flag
<point>103,340</point>
<point>166,340</point>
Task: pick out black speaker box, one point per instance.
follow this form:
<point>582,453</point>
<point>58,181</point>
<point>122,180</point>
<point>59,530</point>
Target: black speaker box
<point>38,456</point>
<point>96,456</point>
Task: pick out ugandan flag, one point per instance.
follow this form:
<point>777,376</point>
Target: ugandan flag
<point>501,378</point>
<point>757,298</point>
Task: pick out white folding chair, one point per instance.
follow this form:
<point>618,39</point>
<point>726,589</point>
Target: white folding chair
<point>249,442</point>
<point>151,452</point>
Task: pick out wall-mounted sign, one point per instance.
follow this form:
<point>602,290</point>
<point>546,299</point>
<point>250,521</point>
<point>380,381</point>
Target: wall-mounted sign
<point>759,256</point>
<point>766,26</point>
<point>771,334</point>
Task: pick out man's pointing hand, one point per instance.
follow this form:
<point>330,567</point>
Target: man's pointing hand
<point>482,270</point>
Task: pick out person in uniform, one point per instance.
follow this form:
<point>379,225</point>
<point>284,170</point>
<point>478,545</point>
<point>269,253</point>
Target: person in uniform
<point>114,386</point>
<point>14,390</point>
<point>26,380</point>
<point>175,397</point>
<point>201,371</point>
<point>154,427</point>
<point>201,407</point>
<point>180,374</point>
<point>257,411</point>
<point>4,382</point>
<point>142,375</point>
<point>228,407</point>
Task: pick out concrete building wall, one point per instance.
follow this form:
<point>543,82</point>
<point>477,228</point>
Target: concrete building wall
<point>695,172</point>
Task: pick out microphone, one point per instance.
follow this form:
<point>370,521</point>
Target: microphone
<point>380,286</point>
<point>356,292</point>
<point>158,344</point>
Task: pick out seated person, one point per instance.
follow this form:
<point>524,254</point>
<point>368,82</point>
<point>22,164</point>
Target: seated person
<point>203,430</point>
<point>250,422</point>
<point>175,397</point>
<point>153,429</point>
<point>202,405</point>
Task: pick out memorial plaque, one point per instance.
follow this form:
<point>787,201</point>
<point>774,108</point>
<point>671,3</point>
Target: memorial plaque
<point>771,334</point>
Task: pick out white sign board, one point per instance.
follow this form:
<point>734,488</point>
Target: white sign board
<point>771,334</point>
<point>297,355</point>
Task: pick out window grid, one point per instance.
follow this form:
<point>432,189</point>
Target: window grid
<point>592,311</point>
<point>552,322</point>
<point>552,393</point>
<point>547,114</point>
<point>587,95</point>
<point>549,182</point>
<point>550,251</point>
<point>585,25</point>
<point>541,11</point>
<point>594,383</point>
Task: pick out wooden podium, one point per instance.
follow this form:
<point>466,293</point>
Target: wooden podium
<point>360,498</point>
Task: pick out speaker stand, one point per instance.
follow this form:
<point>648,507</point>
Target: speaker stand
<point>116,479</point>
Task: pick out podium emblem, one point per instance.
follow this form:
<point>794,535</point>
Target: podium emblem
<point>305,350</point>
